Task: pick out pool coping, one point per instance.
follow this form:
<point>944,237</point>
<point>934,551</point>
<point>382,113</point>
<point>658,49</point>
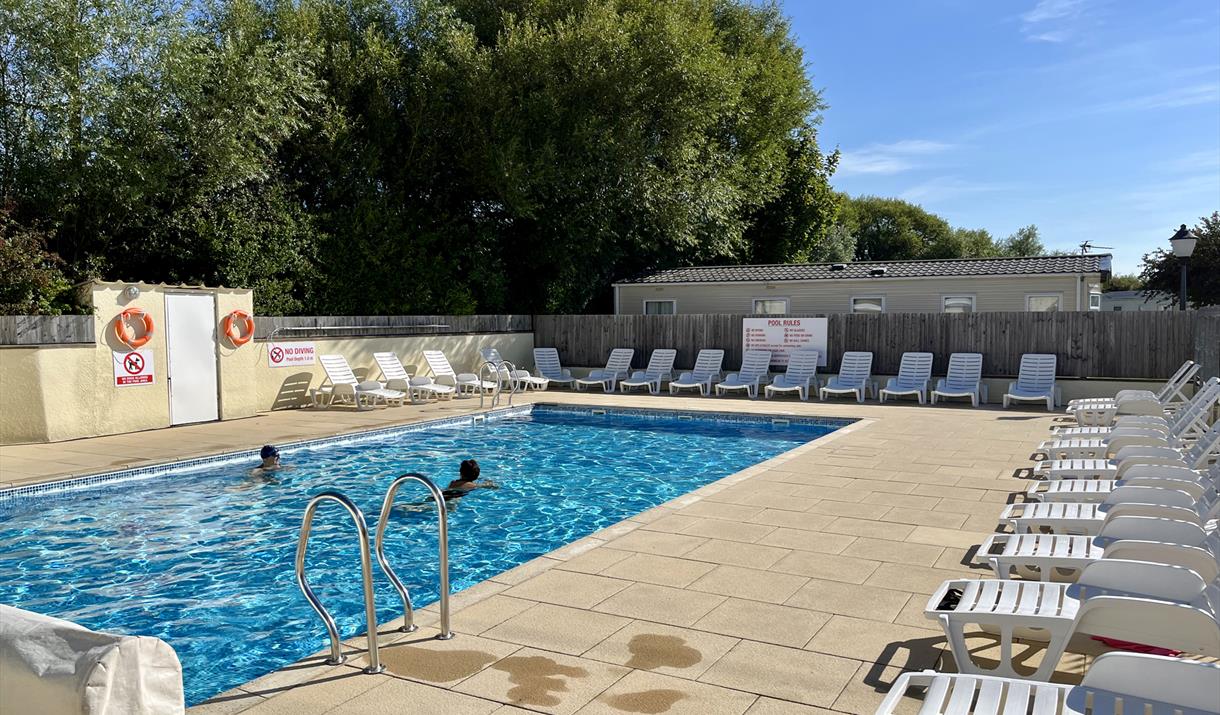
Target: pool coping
<point>355,647</point>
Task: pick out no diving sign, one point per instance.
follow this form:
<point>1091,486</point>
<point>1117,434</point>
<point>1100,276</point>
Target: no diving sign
<point>133,368</point>
<point>290,354</point>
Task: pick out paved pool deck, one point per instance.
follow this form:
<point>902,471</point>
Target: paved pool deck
<point>794,587</point>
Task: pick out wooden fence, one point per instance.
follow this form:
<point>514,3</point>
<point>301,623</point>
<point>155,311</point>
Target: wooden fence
<point>46,329</point>
<point>342,326</point>
<point>1088,344</point>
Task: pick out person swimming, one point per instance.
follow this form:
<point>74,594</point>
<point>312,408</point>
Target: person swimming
<point>271,463</point>
<point>467,481</point>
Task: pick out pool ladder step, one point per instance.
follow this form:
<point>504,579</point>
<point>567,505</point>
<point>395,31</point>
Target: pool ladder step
<point>366,567</point>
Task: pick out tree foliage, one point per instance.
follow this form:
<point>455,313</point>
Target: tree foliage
<point>1122,281</point>
<point>1162,270</point>
<point>34,282</point>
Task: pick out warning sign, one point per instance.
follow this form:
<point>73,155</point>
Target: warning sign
<point>133,368</point>
<point>783,335</point>
<point>290,354</point>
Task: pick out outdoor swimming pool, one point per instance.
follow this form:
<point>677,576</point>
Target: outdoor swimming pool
<point>202,556</point>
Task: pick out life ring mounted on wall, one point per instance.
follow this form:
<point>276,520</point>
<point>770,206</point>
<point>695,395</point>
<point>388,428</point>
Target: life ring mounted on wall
<point>124,332</point>
<point>238,336</point>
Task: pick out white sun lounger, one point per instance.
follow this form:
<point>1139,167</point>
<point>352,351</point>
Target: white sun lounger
<point>1197,504</point>
<point>1097,490</point>
<point>1102,411</point>
<point>914,374</point>
<point>1197,456</point>
<point>1035,381</point>
<point>755,364</point>
<point>546,361</point>
<point>660,369</point>
<point>1189,422</point>
<point>345,388</point>
<point>1178,422</point>
<point>854,378</point>
<point>618,366</point>
<point>964,378</point>
<point>1115,684</point>
<point>801,375</point>
<point>1136,601</point>
<point>466,383</point>
<point>397,378</point>
<point>518,379</point>
<point>706,371</point>
<point>1061,557</point>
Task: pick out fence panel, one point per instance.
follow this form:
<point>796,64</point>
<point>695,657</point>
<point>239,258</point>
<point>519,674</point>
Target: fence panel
<point>335,326</point>
<point>1088,344</point>
<point>46,329</point>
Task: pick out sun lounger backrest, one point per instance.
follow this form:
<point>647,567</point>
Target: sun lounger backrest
<point>802,365</point>
<point>755,363</point>
<point>1163,685</point>
<point>857,367</point>
<point>438,363</point>
<point>915,369</point>
<point>1037,372</point>
<point>965,371</point>
<point>1176,380</point>
<point>546,360</point>
<point>619,360</point>
<point>660,363</point>
<point>1197,455</point>
<point>337,370</point>
<point>391,366</point>
<point>708,364</point>
<point>491,355</point>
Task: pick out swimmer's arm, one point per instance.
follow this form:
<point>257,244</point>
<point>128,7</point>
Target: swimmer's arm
<point>488,485</point>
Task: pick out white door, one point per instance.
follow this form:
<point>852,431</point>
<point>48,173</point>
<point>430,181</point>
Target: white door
<point>190,334</point>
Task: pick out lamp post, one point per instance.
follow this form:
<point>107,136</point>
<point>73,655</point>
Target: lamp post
<point>1183,243</point>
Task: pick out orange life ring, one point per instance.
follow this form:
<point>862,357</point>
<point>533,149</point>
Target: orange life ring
<point>238,338</point>
<point>125,334</point>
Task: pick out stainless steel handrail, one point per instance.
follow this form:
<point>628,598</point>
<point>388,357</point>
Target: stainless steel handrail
<point>408,612</point>
<point>499,369</point>
<point>366,572</point>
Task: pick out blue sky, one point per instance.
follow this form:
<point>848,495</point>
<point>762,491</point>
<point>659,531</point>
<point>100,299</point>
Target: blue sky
<point>1096,120</point>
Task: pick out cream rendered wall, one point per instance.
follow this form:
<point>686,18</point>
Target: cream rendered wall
<point>920,295</point>
<point>287,387</point>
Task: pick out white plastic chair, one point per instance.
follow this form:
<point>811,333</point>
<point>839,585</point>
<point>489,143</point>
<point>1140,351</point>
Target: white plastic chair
<point>1154,604</point>
<point>914,374</point>
<point>1102,410</point>
<point>964,378</point>
<point>518,379</point>
<point>546,361</point>
<point>397,378</point>
<point>617,367</point>
<point>801,375</point>
<point>1115,684</point>
<point>1197,456</point>
<point>755,364</point>
<point>855,377</point>
<point>1164,423</point>
<point>660,369</point>
<point>1035,381</point>
<point>465,383</point>
<point>345,388</point>
<point>702,375</point>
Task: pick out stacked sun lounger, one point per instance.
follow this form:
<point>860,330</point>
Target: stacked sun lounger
<point>1121,546</point>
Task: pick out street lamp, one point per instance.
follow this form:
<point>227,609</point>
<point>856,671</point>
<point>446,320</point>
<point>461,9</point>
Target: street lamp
<point>1183,243</point>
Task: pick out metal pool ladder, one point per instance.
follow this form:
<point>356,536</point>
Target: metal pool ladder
<point>366,568</point>
<point>442,537</point>
<point>498,369</point>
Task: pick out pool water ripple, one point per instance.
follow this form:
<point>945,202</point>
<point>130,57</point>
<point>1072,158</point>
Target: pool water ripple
<point>203,557</point>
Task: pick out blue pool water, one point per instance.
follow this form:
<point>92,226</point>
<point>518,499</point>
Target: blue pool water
<point>202,557</point>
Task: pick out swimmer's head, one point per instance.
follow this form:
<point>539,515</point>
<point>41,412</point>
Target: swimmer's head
<point>270,455</point>
<point>469,470</point>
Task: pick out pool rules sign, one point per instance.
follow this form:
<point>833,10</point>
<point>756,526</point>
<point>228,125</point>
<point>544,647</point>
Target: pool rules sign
<point>133,368</point>
<point>783,335</point>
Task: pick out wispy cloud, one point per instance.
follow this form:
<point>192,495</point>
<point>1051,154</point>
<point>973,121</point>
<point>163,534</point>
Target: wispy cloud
<point>1051,20</point>
<point>893,158</point>
<point>944,188</point>
<point>1206,160</point>
<point>1185,96</point>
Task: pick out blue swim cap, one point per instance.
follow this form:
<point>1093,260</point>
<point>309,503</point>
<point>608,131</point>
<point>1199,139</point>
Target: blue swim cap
<point>269,451</point>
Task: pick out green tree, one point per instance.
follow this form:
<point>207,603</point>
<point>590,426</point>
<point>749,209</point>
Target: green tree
<point>893,229</point>
<point>1122,281</point>
<point>1162,269</point>
<point>34,282</point>
<point>1023,242</point>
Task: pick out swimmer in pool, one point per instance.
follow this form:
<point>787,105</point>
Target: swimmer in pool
<point>271,463</point>
<point>467,481</point>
